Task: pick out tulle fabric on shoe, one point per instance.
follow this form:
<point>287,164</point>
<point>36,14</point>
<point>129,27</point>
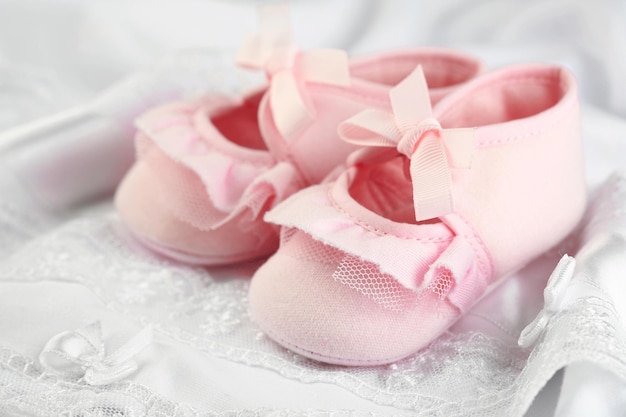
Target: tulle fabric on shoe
<point>207,193</point>
<point>521,193</point>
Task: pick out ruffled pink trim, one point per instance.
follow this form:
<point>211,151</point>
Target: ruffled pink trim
<point>417,256</point>
<point>235,179</point>
<point>314,212</point>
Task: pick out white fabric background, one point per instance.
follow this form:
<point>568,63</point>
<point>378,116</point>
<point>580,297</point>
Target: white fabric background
<point>55,55</point>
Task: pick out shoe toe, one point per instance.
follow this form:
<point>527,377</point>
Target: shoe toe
<point>140,204</point>
<point>302,305</point>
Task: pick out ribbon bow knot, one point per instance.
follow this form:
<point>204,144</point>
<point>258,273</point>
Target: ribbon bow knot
<point>80,354</point>
<point>409,141</point>
<point>415,133</point>
<point>553,296</point>
<point>272,49</point>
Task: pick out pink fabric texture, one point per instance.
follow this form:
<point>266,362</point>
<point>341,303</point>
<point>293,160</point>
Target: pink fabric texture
<point>362,277</point>
<point>207,170</point>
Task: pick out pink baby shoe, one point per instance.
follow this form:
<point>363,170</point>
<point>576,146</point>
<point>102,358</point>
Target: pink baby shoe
<point>207,170</point>
<point>425,221</point>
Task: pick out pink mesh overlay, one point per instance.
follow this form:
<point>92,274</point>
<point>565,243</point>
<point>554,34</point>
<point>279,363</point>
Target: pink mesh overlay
<point>183,193</point>
<point>351,271</point>
<point>299,245</point>
<point>366,278</point>
<point>286,233</point>
<point>442,283</point>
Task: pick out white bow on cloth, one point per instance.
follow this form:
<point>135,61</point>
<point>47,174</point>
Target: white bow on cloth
<point>553,296</point>
<point>80,354</point>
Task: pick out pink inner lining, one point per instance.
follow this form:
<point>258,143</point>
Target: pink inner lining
<point>441,69</point>
<point>240,125</point>
<point>385,190</point>
<point>506,98</point>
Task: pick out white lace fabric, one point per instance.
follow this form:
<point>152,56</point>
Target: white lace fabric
<point>468,373</point>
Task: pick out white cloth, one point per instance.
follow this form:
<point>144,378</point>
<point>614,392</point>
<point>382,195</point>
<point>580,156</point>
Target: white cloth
<point>65,261</point>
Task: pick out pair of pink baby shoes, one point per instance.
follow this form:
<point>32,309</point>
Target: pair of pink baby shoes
<point>389,219</point>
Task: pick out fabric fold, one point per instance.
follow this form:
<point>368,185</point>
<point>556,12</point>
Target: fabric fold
<point>221,180</point>
<point>406,258</point>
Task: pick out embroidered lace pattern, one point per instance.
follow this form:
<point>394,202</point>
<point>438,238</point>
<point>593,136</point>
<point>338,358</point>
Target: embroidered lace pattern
<point>26,390</point>
<point>466,374</point>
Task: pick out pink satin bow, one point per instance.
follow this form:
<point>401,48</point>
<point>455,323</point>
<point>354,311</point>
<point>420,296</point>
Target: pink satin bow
<point>272,49</point>
<point>413,131</point>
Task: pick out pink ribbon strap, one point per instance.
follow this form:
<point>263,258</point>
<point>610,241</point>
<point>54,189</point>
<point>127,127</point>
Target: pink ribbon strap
<point>272,49</point>
<point>413,131</point>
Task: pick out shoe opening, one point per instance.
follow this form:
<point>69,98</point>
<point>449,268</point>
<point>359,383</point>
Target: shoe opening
<point>441,68</point>
<point>385,190</point>
<point>505,96</point>
<point>239,124</point>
